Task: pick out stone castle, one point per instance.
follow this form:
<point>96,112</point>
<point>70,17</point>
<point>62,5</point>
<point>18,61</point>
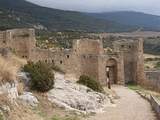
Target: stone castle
<point>87,56</point>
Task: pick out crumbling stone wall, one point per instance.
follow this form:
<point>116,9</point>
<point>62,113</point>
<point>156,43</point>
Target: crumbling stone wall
<point>20,41</point>
<point>132,51</point>
<point>152,80</point>
<point>86,57</point>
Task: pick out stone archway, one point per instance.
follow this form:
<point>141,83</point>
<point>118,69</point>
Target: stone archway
<point>111,64</point>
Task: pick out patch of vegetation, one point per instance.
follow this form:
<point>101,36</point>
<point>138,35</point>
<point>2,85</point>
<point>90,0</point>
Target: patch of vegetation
<point>1,117</point>
<point>42,76</point>
<point>157,66</point>
<point>152,59</point>
<point>134,87</point>
<point>57,69</point>
<point>91,83</point>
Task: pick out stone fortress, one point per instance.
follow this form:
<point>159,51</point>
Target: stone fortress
<point>87,56</point>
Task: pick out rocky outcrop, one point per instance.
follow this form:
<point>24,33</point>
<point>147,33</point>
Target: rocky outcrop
<point>76,97</point>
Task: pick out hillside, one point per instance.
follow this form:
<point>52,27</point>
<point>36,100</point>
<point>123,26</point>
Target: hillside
<point>144,21</point>
<point>20,13</point>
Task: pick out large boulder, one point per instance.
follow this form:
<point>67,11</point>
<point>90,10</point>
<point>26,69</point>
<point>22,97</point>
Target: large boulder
<point>76,97</point>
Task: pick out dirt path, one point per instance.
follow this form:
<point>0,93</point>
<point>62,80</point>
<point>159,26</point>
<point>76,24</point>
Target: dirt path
<point>130,106</point>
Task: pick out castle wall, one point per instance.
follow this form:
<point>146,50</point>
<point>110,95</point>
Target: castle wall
<point>87,57</point>
<point>88,46</point>
<point>111,60</point>
<point>65,59</point>
<point>132,51</point>
<point>2,39</point>
<point>139,67</point>
<point>152,80</point>
<point>88,53</point>
<point>19,41</point>
<point>89,65</point>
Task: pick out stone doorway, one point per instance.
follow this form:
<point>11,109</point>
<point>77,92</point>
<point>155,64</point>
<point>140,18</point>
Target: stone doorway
<point>111,71</point>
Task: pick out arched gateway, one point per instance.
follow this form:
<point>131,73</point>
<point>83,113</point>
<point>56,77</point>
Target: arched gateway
<point>111,71</point>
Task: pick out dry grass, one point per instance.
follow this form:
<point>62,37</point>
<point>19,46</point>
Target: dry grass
<point>21,112</point>
<point>9,68</point>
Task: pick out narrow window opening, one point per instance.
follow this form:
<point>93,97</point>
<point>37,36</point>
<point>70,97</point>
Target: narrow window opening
<point>122,46</point>
<point>4,41</point>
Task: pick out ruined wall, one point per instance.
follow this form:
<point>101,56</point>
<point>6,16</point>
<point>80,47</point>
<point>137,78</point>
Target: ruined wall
<point>152,80</point>
<point>139,67</point>
<point>67,60</point>
<point>88,46</point>
<point>88,52</point>
<point>87,57</point>
<point>132,51</point>
<point>111,60</point>
<point>2,39</point>
<point>20,41</point>
<point>89,65</point>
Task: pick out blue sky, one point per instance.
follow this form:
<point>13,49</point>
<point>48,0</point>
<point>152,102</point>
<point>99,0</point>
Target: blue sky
<point>147,6</point>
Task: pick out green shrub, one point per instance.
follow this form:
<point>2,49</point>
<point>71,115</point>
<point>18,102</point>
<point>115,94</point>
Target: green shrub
<point>42,76</point>
<point>91,83</point>
<point>157,66</point>
<point>57,69</point>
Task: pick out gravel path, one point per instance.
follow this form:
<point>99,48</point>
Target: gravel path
<point>130,106</point>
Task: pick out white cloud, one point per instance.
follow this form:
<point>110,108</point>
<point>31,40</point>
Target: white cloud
<point>148,6</point>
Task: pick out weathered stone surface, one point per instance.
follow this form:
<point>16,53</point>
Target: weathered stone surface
<point>29,99</point>
<point>76,97</point>
<point>24,76</point>
<point>10,90</point>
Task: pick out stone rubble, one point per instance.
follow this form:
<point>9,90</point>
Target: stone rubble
<point>76,97</point>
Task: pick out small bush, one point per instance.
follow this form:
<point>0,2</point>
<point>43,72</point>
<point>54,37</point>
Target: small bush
<point>57,68</point>
<point>42,76</point>
<point>91,83</point>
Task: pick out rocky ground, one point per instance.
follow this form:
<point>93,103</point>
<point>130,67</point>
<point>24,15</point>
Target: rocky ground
<point>76,97</point>
<point>65,99</point>
<point>72,100</point>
